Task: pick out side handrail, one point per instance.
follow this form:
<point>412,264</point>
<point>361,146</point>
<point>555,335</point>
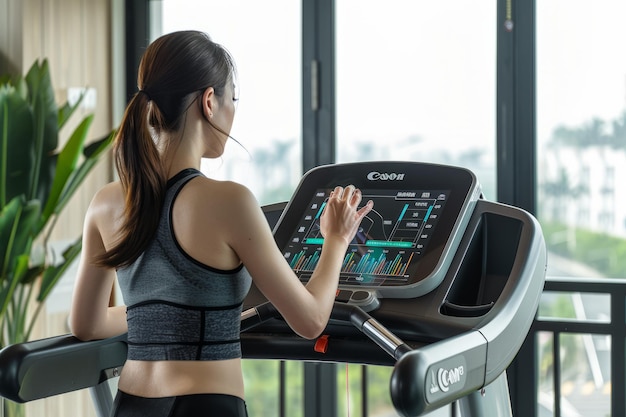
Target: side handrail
<point>56,365</point>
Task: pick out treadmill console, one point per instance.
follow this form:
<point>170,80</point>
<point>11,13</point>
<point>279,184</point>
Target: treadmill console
<point>405,244</point>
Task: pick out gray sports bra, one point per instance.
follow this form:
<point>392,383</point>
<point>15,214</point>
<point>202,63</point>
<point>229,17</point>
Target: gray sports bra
<point>179,308</point>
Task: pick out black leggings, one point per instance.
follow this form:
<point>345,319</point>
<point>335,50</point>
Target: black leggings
<point>193,405</point>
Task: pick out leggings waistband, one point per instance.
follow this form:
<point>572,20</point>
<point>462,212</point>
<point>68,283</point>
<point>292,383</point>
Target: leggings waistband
<point>191,405</point>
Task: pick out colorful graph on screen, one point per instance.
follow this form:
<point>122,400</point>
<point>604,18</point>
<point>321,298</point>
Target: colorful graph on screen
<point>390,240</point>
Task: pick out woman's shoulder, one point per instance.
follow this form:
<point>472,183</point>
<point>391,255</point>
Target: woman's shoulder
<point>108,200</point>
<point>109,193</point>
<point>222,201</point>
<point>226,192</point>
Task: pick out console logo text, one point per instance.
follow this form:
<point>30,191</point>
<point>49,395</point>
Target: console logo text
<point>445,378</point>
<point>385,176</point>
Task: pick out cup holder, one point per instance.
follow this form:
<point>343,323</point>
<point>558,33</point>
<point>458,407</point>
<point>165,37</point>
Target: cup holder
<point>485,267</point>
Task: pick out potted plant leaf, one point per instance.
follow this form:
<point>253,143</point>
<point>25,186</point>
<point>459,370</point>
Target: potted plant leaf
<point>36,182</point>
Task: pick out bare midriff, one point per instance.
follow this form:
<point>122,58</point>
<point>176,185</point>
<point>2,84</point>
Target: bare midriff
<point>154,379</point>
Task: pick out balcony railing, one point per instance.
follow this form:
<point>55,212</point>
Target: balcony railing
<point>579,337</point>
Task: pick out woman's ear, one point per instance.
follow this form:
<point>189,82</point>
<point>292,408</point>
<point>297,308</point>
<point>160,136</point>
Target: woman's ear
<point>208,103</point>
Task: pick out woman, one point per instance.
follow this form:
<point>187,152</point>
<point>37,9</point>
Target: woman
<point>184,247</point>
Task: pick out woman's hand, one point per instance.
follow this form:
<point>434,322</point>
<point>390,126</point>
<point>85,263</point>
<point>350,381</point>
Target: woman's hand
<point>341,217</point>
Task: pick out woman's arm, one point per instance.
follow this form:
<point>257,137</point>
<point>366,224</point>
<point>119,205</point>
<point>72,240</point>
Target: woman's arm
<point>90,316</point>
<point>305,308</point>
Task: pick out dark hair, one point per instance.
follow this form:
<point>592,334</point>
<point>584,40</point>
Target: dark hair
<point>173,72</point>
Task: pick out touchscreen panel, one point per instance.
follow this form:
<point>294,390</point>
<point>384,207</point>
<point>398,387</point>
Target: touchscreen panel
<point>387,247</point>
<point>405,245</point>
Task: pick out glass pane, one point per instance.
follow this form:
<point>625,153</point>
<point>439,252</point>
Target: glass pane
<point>545,362</point>
<point>349,392</point>
<point>581,135</point>
<point>294,386</point>
<point>379,402</point>
<point>378,397</point>
<point>416,81</point>
<point>262,383</point>
<point>585,375</point>
<point>585,382</point>
<point>586,307</point>
<point>267,50</point>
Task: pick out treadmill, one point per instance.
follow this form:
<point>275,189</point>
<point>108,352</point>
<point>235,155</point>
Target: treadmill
<point>438,283</point>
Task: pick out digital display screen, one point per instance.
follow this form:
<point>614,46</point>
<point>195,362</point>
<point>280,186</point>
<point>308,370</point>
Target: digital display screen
<point>405,245</point>
<point>389,244</point>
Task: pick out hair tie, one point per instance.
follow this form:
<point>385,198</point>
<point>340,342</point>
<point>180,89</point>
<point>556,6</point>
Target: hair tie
<point>146,93</point>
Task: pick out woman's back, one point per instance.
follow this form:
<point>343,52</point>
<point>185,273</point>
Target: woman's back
<point>165,337</point>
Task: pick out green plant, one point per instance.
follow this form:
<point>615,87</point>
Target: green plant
<point>36,183</point>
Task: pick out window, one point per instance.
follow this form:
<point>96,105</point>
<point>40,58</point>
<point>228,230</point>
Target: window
<point>581,160</point>
<point>581,135</point>
<point>416,81</point>
<point>267,52</point>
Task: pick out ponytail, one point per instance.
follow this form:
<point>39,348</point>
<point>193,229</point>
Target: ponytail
<point>143,180</point>
<point>172,71</point>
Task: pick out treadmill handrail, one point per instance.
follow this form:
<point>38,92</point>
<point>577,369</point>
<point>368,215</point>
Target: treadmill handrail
<point>372,328</point>
<point>26,368</point>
